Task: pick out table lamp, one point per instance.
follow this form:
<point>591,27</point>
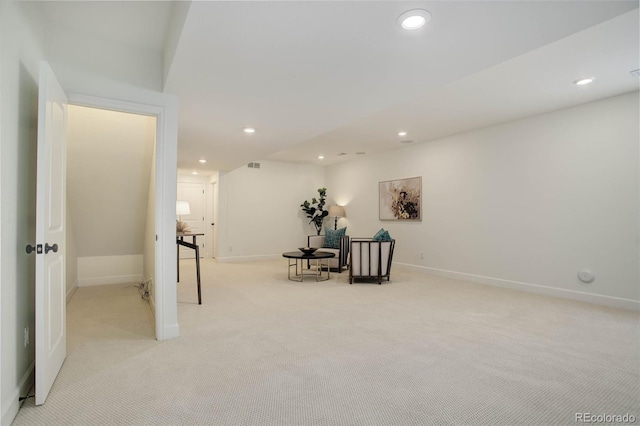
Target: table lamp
<point>336,211</point>
<point>182,207</point>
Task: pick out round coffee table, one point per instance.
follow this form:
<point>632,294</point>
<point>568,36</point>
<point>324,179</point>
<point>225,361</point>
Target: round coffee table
<point>319,256</point>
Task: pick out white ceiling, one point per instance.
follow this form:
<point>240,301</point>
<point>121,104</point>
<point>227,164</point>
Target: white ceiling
<point>330,77</point>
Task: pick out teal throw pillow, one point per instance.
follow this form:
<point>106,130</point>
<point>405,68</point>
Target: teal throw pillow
<point>332,237</point>
<point>382,235</point>
<point>379,234</point>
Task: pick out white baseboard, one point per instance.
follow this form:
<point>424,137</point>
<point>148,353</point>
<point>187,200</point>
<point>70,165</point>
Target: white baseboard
<point>12,406</point>
<point>248,258</point>
<point>119,279</point>
<point>99,270</point>
<point>598,299</point>
<point>72,291</point>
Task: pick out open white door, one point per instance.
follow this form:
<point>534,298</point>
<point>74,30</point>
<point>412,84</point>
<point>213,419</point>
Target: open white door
<point>51,335</point>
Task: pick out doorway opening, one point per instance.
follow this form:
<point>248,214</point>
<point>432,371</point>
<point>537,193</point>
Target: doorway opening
<point>197,190</point>
<point>200,190</point>
<point>111,206</point>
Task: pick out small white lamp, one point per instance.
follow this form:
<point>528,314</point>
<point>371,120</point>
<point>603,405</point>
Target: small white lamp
<point>336,211</point>
<point>182,207</point>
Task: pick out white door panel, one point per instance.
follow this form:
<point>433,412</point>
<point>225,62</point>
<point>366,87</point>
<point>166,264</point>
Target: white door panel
<point>193,192</point>
<point>50,306</point>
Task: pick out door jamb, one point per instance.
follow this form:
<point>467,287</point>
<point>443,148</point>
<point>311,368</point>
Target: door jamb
<point>165,286</point>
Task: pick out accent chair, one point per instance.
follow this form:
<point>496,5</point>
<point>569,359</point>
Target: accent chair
<point>342,252</point>
<point>370,259</point>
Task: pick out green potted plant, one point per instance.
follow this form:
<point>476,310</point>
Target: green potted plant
<point>315,209</point>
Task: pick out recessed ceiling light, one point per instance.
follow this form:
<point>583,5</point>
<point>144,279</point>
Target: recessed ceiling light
<point>320,157</point>
<point>249,130</point>
<point>414,19</point>
<point>402,133</point>
<point>202,160</point>
<point>583,81</point>
<point>194,173</point>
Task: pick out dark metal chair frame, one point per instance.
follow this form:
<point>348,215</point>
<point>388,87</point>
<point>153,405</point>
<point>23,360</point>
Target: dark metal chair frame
<point>370,273</point>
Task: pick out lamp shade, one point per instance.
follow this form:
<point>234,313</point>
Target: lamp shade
<point>182,207</point>
<point>337,211</point>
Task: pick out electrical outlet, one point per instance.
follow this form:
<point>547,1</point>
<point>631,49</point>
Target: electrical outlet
<point>230,248</point>
<point>421,255</point>
<point>26,335</point>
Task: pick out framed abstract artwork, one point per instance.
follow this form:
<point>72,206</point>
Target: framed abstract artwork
<point>401,199</point>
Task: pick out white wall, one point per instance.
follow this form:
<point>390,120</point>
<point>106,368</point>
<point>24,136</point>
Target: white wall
<point>18,136</point>
<point>109,158</point>
<point>526,204</point>
<point>123,63</point>
<point>259,209</point>
<point>177,18</point>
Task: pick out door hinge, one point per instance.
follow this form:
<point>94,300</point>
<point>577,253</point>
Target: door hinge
<point>156,237</point>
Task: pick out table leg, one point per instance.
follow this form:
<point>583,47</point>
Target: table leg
<point>301,270</point>
<point>178,260</point>
<point>198,273</point>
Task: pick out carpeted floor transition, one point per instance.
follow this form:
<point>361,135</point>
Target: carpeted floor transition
<point>420,350</point>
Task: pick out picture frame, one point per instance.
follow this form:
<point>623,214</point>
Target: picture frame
<point>401,199</point>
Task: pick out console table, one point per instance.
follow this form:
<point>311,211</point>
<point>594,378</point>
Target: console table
<point>181,242</point>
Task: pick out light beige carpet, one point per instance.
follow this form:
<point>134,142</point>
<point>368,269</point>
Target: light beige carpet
<point>263,350</point>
